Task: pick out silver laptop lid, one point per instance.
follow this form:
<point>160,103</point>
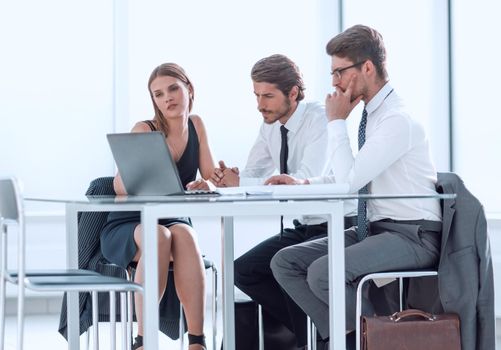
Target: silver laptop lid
<point>145,163</point>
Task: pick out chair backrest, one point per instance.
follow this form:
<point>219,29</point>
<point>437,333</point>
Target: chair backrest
<point>90,224</point>
<point>12,212</point>
<point>11,207</point>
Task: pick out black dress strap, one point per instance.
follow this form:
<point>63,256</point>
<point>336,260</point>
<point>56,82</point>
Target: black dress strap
<point>150,124</point>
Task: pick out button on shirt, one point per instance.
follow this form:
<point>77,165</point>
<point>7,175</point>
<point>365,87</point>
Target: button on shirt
<point>307,143</point>
<point>395,159</point>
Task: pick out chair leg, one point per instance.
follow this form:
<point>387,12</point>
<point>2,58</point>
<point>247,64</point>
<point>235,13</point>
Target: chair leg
<point>123,320</point>
<point>181,327</point>
<point>95,319</point>
<point>113,321</point>
<point>129,273</point>
<point>87,339</point>
<point>20,314</point>
<point>401,292</point>
<point>260,326</point>
<point>308,333</point>
<point>313,334</point>
<point>214,308</point>
<point>2,288</point>
<point>130,319</point>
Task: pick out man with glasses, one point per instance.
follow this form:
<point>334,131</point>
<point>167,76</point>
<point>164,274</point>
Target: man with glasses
<point>393,158</point>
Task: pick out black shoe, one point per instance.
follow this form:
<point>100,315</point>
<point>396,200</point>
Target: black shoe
<point>351,341</point>
<point>197,339</point>
<point>138,342</point>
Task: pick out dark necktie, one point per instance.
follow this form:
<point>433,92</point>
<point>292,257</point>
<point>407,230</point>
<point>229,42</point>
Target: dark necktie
<point>284,154</point>
<point>362,203</point>
<point>284,150</point>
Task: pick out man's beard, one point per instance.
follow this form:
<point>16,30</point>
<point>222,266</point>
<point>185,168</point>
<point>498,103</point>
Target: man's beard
<point>279,114</point>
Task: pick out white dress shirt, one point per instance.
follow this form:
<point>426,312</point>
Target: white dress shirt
<point>395,159</point>
<point>307,142</point>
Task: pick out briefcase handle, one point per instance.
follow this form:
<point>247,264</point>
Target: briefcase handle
<point>398,316</point>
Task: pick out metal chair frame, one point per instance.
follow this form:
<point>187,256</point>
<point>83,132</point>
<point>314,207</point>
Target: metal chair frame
<point>400,275</point>
<point>12,214</point>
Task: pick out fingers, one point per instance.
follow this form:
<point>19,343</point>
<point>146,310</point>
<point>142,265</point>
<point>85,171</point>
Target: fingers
<point>199,184</point>
<point>191,185</point>
<point>222,166</point>
<point>274,180</point>
<point>351,83</point>
<point>278,180</point>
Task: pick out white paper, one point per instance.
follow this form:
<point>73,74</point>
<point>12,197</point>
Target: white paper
<point>286,190</point>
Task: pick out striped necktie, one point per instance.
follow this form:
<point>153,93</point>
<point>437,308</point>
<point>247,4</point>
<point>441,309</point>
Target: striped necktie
<point>362,203</point>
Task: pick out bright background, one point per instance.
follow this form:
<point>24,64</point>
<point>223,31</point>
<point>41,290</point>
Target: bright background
<point>72,71</point>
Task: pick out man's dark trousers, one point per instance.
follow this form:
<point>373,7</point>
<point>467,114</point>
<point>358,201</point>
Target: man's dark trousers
<point>254,277</point>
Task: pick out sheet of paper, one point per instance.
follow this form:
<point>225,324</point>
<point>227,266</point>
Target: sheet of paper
<point>284,190</point>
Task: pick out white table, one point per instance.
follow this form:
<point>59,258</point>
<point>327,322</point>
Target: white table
<point>226,207</point>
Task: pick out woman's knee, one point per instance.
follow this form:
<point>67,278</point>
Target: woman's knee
<point>164,238</point>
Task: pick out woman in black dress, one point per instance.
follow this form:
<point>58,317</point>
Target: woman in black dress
<point>172,95</point>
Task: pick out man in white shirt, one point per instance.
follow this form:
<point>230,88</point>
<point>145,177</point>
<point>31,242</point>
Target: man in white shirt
<point>393,158</point>
<point>278,87</point>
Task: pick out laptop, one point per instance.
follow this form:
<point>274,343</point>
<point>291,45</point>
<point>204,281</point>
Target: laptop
<point>146,165</point>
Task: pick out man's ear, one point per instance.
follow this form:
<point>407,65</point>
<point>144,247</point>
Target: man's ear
<point>369,68</point>
<point>293,93</point>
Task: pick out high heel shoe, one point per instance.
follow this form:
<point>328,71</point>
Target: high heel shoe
<point>197,339</point>
<point>138,342</point>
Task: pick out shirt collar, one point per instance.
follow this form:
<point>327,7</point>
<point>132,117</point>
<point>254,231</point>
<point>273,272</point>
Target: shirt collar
<point>294,122</point>
<point>378,99</point>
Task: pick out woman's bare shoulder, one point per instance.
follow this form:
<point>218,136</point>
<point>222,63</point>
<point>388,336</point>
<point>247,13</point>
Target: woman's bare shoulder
<point>141,126</point>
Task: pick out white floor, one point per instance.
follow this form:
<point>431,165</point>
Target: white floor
<point>41,333</point>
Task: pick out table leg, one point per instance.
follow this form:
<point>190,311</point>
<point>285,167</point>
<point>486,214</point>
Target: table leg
<point>73,320</point>
<point>149,220</point>
<point>337,321</point>
<point>228,283</point>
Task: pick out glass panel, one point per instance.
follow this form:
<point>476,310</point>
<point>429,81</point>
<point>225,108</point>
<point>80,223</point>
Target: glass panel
<point>476,88</point>
<point>217,45</point>
<point>56,88</point>
<point>415,35</point>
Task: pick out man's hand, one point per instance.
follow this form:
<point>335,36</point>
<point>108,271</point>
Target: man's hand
<point>224,176</point>
<point>284,179</point>
<point>339,104</point>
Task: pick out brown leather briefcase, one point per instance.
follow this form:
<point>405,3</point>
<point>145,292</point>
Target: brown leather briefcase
<point>411,330</point>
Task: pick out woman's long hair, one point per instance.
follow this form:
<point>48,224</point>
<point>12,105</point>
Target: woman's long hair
<point>171,70</point>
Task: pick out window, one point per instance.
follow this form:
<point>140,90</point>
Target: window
<point>56,88</point>
<point>477,121</point>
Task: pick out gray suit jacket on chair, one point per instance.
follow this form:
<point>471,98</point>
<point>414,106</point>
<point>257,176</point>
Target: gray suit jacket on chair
<point>465,277</point>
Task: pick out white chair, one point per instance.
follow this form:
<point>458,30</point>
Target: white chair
<point>12,214</point>
<point>400,275</point>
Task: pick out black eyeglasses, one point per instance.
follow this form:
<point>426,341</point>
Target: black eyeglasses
<point>336,73</point>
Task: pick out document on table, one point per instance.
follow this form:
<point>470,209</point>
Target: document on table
<point>286,190</point>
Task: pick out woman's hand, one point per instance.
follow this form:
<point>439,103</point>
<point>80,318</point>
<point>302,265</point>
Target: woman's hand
<point>284,179</point>
<point>201,184</point>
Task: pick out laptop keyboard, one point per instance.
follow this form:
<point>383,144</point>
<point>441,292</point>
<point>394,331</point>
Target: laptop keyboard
<point>199,192</point>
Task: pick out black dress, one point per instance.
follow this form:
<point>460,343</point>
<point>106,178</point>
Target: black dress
<point>117,237</point>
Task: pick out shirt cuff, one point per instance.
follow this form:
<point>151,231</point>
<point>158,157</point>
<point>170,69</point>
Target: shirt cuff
<point>337,128</point>
<point>251,181</point>
<point>321,180</point>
